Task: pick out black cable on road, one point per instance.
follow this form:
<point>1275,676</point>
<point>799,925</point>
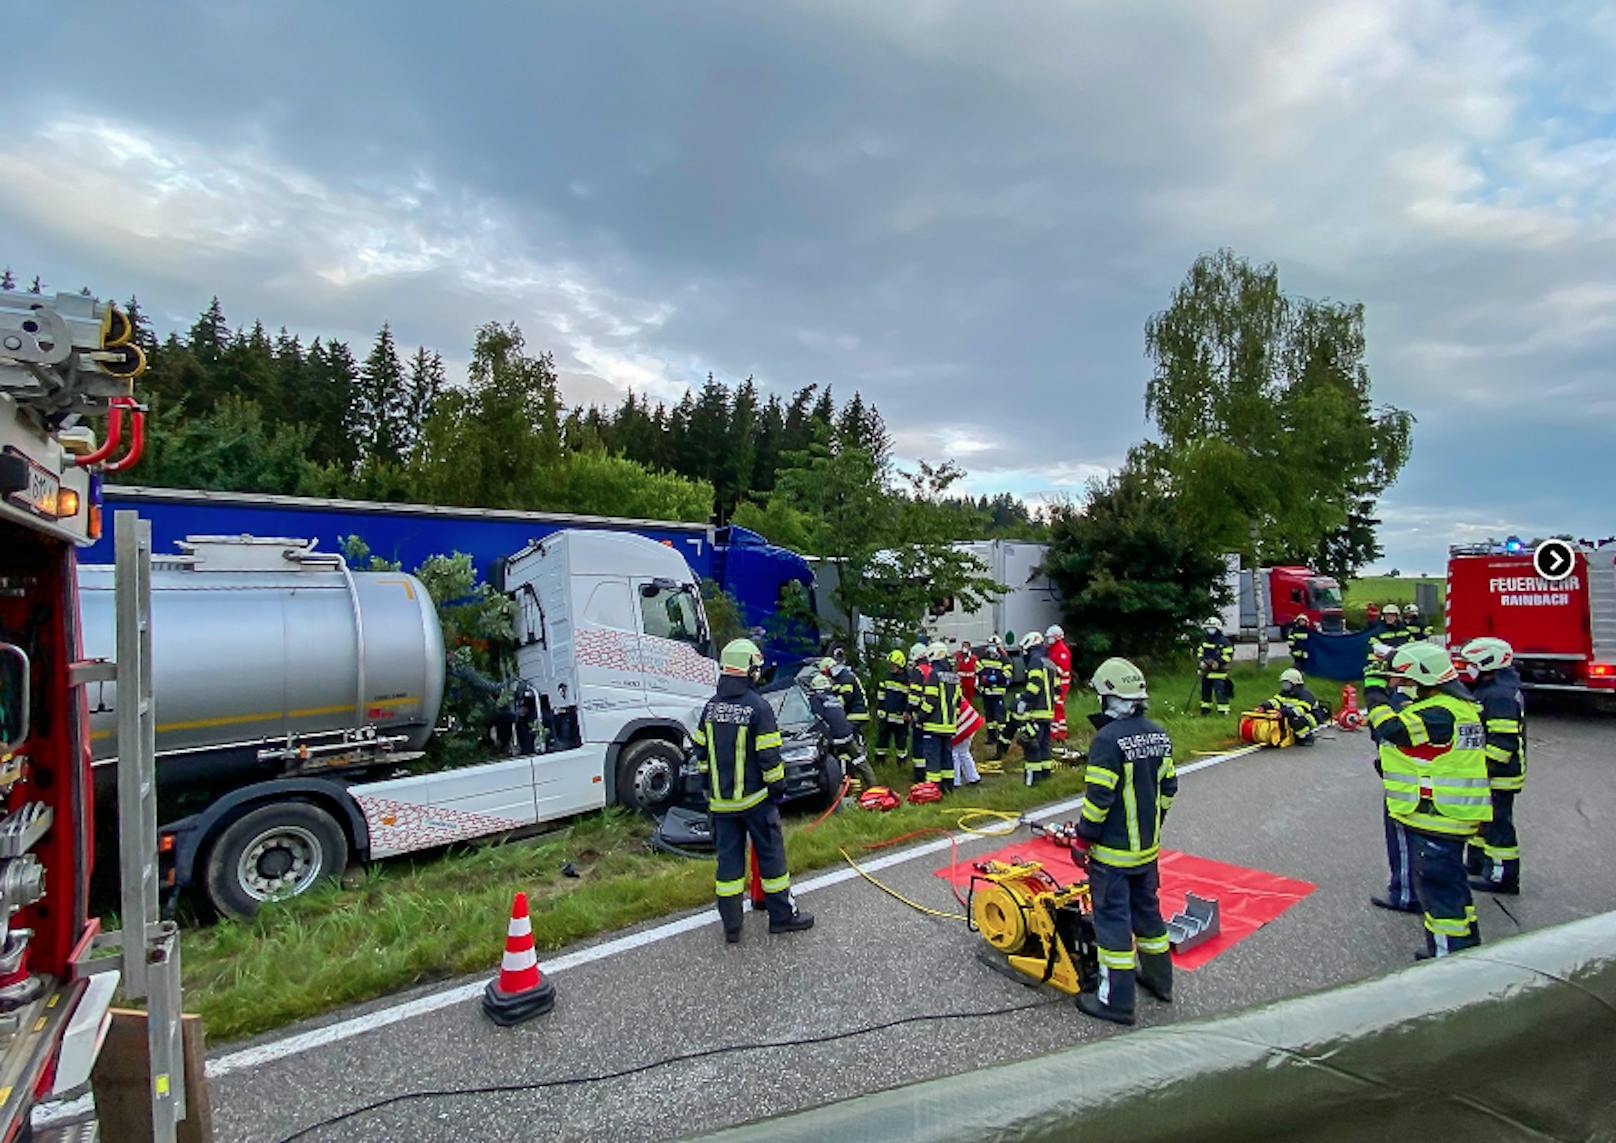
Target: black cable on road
<point>574,1081</point>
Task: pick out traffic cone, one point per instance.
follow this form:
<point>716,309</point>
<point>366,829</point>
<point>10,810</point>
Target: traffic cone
<point>754,887</point>
<point>520,991</point>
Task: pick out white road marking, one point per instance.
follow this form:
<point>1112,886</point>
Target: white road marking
<point>382,1017</point>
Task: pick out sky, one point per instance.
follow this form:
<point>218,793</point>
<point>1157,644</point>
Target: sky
<point>965,211</point>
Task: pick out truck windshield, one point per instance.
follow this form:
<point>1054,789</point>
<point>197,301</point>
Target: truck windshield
<point>1326,594</point>
<point>671,614</point>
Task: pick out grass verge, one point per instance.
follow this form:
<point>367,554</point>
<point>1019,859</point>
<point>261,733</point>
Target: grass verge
<point>414,921</point>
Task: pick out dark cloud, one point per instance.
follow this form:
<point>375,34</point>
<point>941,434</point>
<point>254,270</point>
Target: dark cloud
<point>966,212</point>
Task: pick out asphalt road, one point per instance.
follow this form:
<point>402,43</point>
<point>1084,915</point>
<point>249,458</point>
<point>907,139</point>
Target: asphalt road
<point>1309,814</point>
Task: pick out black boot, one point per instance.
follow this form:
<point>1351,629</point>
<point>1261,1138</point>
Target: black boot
<point>1156,975</point>
<point>1503,888</point>
<point>1091,1005</point>
<point>1473,859</point>
<point>795,923</point>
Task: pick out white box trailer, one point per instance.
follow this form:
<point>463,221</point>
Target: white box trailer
<point>1030,602</point>
<point>613,638</point>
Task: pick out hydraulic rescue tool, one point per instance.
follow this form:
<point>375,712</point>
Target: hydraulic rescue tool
<point>1044,929</point>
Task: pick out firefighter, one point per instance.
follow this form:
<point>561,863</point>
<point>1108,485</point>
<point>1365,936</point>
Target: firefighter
<point>966,664</point>
<point>847,684</point>
<point>1385,644</point>
<point>1016,659</point>
<point>1414,623</point>
<point>1035,710</point>
<point>939,708</point>
<point>1433,765</point>
<point>919,673</point>
<point>1497,687</point>
<point>1300,707</point>
<point>993,675</point>
<point>893,730</point>
<point>1130,785</point>
<point>738,744</point>
<point>1296,639</point>
<point>846,743</point>
<point>1215,653</point>
<point>1060,659</point>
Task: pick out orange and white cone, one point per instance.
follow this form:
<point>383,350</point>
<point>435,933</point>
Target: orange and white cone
<point>520,991</point>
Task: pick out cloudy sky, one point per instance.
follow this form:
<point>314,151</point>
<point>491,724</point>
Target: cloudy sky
<point>965,210</point>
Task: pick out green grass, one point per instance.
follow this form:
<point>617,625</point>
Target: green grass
<point>441,915</point>
<point>1384,589</point>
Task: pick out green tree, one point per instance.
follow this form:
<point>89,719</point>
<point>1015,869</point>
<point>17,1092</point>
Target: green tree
<point>426,384</point>
<point>1263,404</point>
<point>380,405</point>
<point>231,448</point>
<point>1133,578</point>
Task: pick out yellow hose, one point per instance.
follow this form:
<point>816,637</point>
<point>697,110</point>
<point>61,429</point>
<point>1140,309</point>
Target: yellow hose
<point>1014,820</point>
<point>891,892</point>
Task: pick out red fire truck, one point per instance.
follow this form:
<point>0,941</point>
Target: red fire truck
<point>1563,630</point>
<point>67,363</point>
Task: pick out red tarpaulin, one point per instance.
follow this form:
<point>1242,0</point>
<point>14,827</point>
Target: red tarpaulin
<point>1247,898</point>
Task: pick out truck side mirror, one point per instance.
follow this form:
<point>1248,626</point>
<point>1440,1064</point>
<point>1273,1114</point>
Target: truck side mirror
<point>14,697</point>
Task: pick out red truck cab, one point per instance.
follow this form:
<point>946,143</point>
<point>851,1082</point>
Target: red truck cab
<point>1298,590</point>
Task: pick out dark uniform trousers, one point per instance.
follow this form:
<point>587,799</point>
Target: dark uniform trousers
<point>993,709</point>
<point>1443,890</point>
<point>1498,857</point>
<point>1035,744</point>
<point>1400,860</point>
<point>730,830</point>
<point>1125,907</point>
<point>892,734</point>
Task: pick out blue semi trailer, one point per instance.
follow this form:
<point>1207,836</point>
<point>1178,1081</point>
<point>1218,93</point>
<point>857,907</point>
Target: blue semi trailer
<point>758,574</point>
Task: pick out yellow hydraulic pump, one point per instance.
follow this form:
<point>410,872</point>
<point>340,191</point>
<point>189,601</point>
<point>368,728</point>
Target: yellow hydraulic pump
<point>1044,928</point>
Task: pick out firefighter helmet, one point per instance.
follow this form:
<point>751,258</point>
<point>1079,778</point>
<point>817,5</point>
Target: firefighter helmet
<point>827,665</point>
<point>740,657</point>
<point>937,651</point>
<point>1291,677</point>
<point>917,652</point>
<point>1391,609</point>
<point>1119,678</point>
<point>897,658</point>
<point>994,640</point>
<point>820,682</point>
<point>1055,631</point>
<point>1213,623</point>
<point>1030,640</point>
<point>1488,653</point>
<point>1424,664</point>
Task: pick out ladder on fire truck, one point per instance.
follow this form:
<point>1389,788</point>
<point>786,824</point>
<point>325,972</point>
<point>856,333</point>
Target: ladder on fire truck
<point>150,945</point>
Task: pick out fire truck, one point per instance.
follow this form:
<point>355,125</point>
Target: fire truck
<point>1563,630</point>
<point>67,364</point>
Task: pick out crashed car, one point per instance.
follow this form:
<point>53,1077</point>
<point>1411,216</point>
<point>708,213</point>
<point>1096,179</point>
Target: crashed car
<point>812,771</point>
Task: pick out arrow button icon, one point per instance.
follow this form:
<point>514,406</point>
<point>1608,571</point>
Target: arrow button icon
<point>1554,559</point>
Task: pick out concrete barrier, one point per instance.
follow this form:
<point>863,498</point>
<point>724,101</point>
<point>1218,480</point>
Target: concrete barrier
<point>1514,1040</point>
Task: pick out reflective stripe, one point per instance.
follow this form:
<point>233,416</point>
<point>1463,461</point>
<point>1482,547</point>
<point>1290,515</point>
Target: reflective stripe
<point>1092,812</point>
<point>777,884</point>
<point>1504,725</point>
<point>731,888</point>
<point>712,765</point>
<point>770,740</point>
<point>1448,926</point>
<point>1122,858</point>
<point>1418,735</point>
<point>1163,804</point>
<point>1499,754</point>
<point>1461,799</point>
<point>1116,959</point>
<point>698,736</point>
<point>739,788</point>
<point>1502,852</point>
<point>1380,714</point>
<point>1100,776</point>
<point>1130,801</point>
<point>1159,944</point>
<point>735,805</point>
<point>776,773</point>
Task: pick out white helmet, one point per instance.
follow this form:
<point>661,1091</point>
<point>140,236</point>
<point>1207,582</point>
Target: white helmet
<point>1054,632</point>
<point>1392,609</point>
<point>1213,622</point>
<point>1030,640</point>
<point>1488,653</point>
<point>937,651</point>
<point>1291,677</point>
<point>917,652</point>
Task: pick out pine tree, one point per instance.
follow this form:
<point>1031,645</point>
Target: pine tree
<point>799,430</point>
<point>422,391</point>
<point>141,324</point>
<point>380,403</point>
<point>210,334</point>
<point>824,413</point>
<point>771,428</point>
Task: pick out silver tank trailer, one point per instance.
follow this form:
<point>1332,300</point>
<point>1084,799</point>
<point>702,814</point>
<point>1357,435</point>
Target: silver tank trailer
<point>255,639</point>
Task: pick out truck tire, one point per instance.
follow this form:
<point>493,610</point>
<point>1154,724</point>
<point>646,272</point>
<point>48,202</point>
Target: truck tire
<point>273,852</point>
<point>648,774</point>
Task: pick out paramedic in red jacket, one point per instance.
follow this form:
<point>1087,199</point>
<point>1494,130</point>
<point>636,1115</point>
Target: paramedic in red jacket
<point>1060,657</point>
<point>965,664</point>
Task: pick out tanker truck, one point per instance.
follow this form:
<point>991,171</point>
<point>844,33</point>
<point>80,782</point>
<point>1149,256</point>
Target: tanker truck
<point>292,692</point>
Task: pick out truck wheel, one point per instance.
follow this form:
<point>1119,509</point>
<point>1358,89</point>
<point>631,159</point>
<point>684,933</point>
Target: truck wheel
<point>648,774</point>
<point>273,852</point>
